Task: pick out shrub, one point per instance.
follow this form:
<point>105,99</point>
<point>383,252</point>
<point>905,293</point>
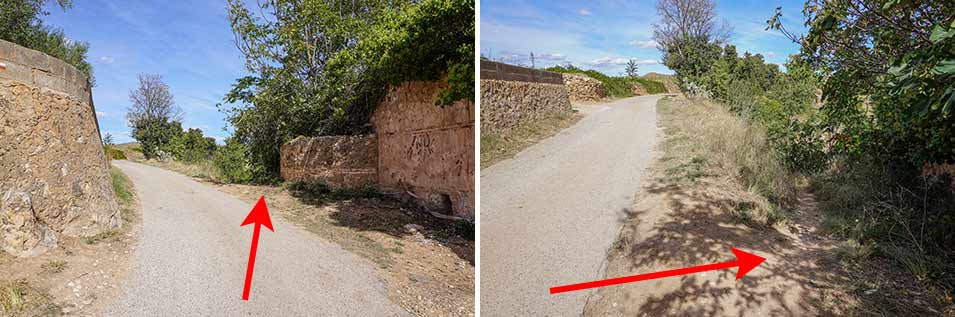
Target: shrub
<point>113,153</point>
<point>191,146</point>
<point>232,163</point>
<point>617,87</point>
<point>299,88</point>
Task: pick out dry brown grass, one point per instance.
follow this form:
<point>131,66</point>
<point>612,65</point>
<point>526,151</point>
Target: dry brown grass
<point>498,147</point>
<point>19,298</point>
<point>706,142</point>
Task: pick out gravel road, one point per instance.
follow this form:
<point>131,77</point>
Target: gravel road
<point>549,215</point>
<point>193,255</point>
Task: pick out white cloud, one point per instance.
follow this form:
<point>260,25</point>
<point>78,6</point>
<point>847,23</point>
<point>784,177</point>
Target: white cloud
<point>584,12</point>
<point>106,60</point>
<point>770,54</point>
<point>101,114</point>
<point>607,61</point>
<point>551,56</point>
<point>645,44</point>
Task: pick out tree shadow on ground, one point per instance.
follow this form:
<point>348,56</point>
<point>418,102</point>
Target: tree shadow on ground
<point>700,228</point>
<point>368,210</point>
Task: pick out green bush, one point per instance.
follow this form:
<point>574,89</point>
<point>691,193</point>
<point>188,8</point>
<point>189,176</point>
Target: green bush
<point>297,87</point>
<point>232,163</point>
<point>114,153</point>
<point>191,146</point>
<point>616,87</point>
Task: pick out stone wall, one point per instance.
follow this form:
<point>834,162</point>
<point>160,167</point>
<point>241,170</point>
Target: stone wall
<point>426,150</point>
<point>340,161</point>
<point>419,150</point>
<point>54,178</point>
<point>491,70</point>
<point>508,104</point>
<point>583,88</point>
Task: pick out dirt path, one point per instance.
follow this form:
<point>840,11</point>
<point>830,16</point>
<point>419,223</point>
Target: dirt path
<point>549,215</point>
<point>193,256</point>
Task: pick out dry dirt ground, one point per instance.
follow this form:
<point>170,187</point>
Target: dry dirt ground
<point>427,263</point>
<point>688,215</point>
<point>80,277</point>
<point>498,147</point>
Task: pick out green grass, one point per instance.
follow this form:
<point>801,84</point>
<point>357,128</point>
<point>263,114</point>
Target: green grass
<point>122,186</point>
<point>616,87</point>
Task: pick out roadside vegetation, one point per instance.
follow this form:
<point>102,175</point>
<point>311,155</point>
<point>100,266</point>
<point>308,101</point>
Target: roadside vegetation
<point>306,83</point>
<point>496,147</point>
<point>616,87</point>
<point>864,115</point>
<point>125,196</point>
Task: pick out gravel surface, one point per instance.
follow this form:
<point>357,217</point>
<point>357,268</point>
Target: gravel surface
<point>193,255</point>
<point>549,215</point>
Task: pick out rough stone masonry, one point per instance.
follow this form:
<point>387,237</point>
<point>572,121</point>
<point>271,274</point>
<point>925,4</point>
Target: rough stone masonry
<point>54,178</point>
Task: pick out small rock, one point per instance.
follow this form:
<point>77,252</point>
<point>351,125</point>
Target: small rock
<point>412,227</point>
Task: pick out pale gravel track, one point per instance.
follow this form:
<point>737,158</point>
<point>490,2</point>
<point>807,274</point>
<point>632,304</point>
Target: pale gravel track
<point>549,215</point>
<point>192,259</point>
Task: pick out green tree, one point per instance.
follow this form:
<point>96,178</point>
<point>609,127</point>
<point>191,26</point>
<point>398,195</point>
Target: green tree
<point>108,139</point>
<point>319,67</point>
<point>689,36</point>
<point>153,115</point>
<point>632,68</point>
<point>889,68</point>
<point>20,23</point>
<point>192,146</point>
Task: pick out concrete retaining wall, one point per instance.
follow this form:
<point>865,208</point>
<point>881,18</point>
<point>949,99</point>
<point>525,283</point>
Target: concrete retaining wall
<point>500,71</point>
<point>425,149</point>
<point>419,150</point>
<point>39,70</point>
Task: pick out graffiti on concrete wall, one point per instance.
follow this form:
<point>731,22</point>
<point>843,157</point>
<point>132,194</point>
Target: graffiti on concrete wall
<point>421,146</point>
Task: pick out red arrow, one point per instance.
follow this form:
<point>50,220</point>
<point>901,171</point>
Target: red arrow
<point>260,217</point>
<point>745,261</point>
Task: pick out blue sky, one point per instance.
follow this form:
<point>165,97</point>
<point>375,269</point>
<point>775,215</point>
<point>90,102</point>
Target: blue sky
<point>189,43</point>
<point>604,34</point>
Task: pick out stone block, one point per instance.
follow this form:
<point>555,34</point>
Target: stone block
<point>7,52</point>
<point>32,58</point>
<point>18,73</point>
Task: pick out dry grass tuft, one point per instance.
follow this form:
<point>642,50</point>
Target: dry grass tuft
<point>54,266</point>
